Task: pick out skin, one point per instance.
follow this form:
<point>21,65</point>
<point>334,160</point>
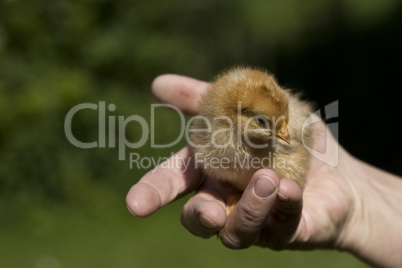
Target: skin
<point>353,207</point>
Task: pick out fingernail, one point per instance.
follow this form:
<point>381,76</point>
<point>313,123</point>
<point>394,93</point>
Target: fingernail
<point>207,222</point>
<point>283,198</point>
<point>264,187</point>
<point>131,211</point>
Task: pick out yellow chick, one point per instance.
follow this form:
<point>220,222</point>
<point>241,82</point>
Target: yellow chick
<point>248,122</point>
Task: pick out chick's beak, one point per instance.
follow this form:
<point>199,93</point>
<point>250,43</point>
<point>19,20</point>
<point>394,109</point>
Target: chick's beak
<point>283,133</point>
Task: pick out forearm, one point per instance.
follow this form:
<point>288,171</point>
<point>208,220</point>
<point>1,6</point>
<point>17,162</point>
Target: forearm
<point>373,230</point>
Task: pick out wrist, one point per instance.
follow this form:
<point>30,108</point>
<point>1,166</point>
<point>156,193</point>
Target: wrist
<point>372,228</point>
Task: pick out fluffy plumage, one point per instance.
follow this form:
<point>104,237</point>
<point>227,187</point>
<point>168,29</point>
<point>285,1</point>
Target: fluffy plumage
<point>248,122</point>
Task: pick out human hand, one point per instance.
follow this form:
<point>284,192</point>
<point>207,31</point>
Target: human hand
<point>271,213</point>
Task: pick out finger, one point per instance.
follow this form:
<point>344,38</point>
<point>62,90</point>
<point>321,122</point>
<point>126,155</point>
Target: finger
<point>249,216</point>
<point>173,178</point>
<point>180,91</point>
<point>285,216</point>
<point>203,215</point>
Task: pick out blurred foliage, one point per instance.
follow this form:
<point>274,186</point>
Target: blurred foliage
<point>62,206</point>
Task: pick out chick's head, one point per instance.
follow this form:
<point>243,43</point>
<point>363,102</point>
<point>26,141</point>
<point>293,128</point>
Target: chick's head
<point>250,99</point>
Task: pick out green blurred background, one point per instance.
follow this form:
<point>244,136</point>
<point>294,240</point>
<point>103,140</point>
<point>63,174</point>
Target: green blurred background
<point>61,206</point>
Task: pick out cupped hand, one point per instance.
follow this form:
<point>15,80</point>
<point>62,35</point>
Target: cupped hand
<point>272,212</point>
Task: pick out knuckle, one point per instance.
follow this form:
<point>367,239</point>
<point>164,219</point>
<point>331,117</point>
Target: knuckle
<point>250,215</point>
<point>277,245</point>
<point>231,241</point>
<point>243,231</point>
<point>273,241</point>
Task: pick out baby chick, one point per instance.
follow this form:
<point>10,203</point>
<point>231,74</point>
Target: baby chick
<point>248,122</point>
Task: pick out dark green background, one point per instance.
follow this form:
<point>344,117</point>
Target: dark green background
<point>61,206</point>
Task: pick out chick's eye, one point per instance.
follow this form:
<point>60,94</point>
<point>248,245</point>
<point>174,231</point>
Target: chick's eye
<point>262,120</point>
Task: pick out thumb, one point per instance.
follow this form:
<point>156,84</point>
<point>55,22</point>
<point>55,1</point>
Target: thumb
<point>249,216</point>
<point>284,218</point>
